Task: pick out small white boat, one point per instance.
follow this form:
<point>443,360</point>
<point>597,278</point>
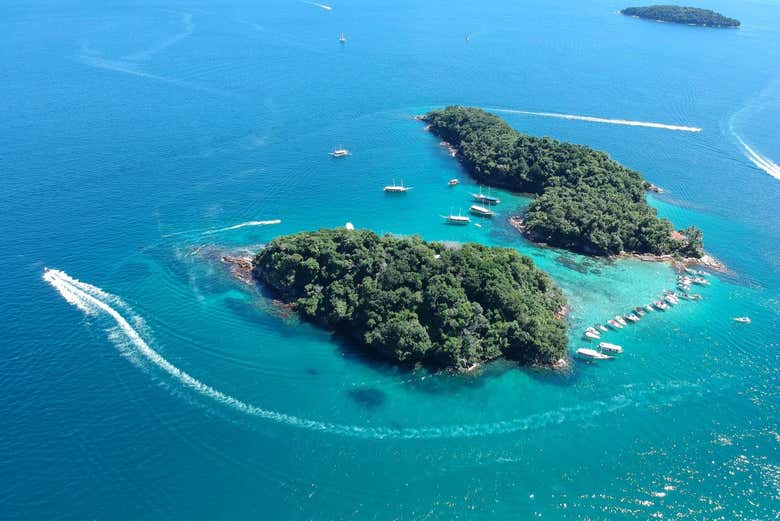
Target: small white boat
<point>620,320</point>
<point>592,335</point>
<point>343,38</point>
<point>610,348</point>
<point>602,327</point>
<point>660,305</point>
<point>701,281</point>
<point>671,300</point>
<point>456,219</point>
<point>592,354</point>
<point>394,188</point>
<point>743,320</point>
<point>614,324</point>
<point>632,318</point>
<point>453,182</point>
<point>339,152</point>
<point>649,307</point>
<point>481,211</point>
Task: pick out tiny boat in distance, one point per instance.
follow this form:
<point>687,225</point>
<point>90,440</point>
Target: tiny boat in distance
<point>592,354</point>
<point>481,211</point>
<point>453,182</point>
<point>339,152</point>
<point>397,189</point>
<point>743,320</point>
<point>610,348</point>
<point>342,38</point>
<point>456,219</point>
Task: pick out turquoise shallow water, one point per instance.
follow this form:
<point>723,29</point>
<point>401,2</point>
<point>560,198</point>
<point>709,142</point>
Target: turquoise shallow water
<point>134,136</point>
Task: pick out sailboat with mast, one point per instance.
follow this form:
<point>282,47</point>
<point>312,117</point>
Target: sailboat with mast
<point>397,189</point>
<point>486,199</point>
<point>456,219</point>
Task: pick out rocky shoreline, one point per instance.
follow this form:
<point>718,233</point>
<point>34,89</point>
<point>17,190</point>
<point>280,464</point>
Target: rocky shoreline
<point>678,263</point>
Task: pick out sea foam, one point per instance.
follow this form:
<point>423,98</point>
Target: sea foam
<point>761,161</point>
<point>94,301</point>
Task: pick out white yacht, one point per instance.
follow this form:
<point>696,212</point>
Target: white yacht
<point>592,354</point>
<point>339,152</point>
<point>481,211</point>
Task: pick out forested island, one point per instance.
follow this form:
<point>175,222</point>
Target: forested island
<point>681,15</point>
<point>417,302</point>
<point>586,202</point>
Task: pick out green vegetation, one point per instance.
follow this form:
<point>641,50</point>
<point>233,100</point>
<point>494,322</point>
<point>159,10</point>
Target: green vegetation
<point>681,15</point>
<point>586,201</point>
<point>419,302</point>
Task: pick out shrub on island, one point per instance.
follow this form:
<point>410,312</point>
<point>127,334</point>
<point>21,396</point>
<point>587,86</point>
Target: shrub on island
<point>419,302</point>
<point>586,201</point>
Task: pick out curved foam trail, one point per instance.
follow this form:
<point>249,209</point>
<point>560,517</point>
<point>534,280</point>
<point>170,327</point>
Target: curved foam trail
<point>594,119</point>
<point>243,225</point>
<point>321,6</point>
<point>187,30</point>
<point>94,301</point>
<point>762,162</point>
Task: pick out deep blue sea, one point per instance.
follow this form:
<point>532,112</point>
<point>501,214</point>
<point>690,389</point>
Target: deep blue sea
<point>138,140</point>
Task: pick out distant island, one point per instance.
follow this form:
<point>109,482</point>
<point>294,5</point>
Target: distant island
<point>417,302</point>
<point>681,15</point>
<point>586,202</point>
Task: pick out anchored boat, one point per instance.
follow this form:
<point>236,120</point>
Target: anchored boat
<point>487,199</point>
<point>339,152</point>
<point>394,188</point>
<point>610,348</point>
<point>456,219</point>
<point>481,211</point>
<point>592,354</point>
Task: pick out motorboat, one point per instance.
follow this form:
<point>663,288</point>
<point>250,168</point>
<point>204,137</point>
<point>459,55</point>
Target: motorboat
<point>610,348</point>
<point>743,320</point>
<point>453,182</point>
<point>592,354</point>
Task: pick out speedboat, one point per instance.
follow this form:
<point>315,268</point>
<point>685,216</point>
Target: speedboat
<point>743,320</point>
<point>592,354</point>
<point>602,327</point>
<point>620,320</point>
<point>660,305</point>
<point>610,348</point>
<point>481,211</point>
<point>671,300</point>
<point>632,318</point>
<point>453,182</point>
<point>339,152</point>
<point>639,311</point>
<point>701,281</point>
<point>649,307</point>
<point>614,324</point>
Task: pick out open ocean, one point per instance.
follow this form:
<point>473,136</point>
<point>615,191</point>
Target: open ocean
<point>140,382</point>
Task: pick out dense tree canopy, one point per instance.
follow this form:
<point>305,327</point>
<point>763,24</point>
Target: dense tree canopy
<point>587,202</point>
<point>419,302</point>
<point>682,15</point>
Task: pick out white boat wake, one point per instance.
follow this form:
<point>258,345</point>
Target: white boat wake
<point>95,302</point>
<point>242,225</point>
<point>761,161</point>
<point>594,119</point>
<point>187,29</point>
<point>321,6</point>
